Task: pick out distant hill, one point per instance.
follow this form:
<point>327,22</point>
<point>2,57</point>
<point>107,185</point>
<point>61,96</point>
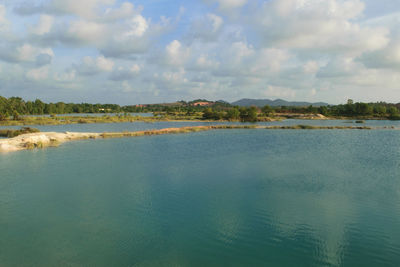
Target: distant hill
<point>245,102</point>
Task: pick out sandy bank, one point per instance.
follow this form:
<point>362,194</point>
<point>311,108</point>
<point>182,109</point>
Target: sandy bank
<point>47,139</point>
<point>41,140</point>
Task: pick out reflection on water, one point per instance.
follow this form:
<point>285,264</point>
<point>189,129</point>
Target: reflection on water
<point>235,197</point>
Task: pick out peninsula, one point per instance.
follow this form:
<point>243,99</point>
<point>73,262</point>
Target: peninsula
<point>49,139</point>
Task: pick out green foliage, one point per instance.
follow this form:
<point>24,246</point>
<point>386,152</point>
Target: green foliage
<point>210,114</point>
<point>248,114</point>
<point>16,107</point>
<point>323,110</point>
<point>380,110</point>
<point>233,114</point>
<point>3,116</point>
<point>394,113</point>
<point>16,115</point>
<point>267,110</point>
<point>364,110</point>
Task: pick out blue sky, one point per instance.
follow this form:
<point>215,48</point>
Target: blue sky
<point>149,51</point>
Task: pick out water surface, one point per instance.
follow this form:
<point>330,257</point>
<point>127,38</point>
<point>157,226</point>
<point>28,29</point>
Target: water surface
<point>140,126</point>
<point>217,198</point>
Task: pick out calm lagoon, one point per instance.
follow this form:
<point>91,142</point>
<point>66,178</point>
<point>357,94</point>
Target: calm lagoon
<point>217,198</point>
<point>140,126</point>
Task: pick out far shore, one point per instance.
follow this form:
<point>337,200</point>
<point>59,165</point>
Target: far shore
<point>39,140</point>
<point>65,120</point>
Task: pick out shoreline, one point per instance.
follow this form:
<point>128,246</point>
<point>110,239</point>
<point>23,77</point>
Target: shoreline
<point>51,139</point>
<point>66,120</point>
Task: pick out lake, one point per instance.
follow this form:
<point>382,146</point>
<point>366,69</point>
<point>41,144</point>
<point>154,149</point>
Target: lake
<point>218,198</point>
<point>141,126</point>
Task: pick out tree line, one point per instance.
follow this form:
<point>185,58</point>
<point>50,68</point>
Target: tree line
<point>220,110</point>
<point>350,109</point>
<point>16,106</point>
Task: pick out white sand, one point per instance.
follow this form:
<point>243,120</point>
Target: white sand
<point>30,140</point>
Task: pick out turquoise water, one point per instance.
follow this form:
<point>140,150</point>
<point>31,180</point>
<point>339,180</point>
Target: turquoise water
<point>140,126</point>
<point>217,198</point>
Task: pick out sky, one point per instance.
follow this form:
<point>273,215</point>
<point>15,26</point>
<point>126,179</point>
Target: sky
<point>154,51</point>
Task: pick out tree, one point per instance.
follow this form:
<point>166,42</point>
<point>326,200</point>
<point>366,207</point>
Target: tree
<point>393,113</point>
<point>267,110</point>
<point>350,109</point>
<point>380,110</point>
<point>323,110</point>
<point>16,115</point>
<point>248,114</point>
<point>60,107</point>
<point>39,107</point>
<point>233,114</point>
<point>3,116</point>
<point>207,114</point>
<point>363,109</point>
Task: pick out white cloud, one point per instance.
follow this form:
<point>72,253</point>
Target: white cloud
<point>92,66</point>
<point>125,11</point>
<point>279,92</point>
<point>320,26</point>
<point>104,64</point>
<point>339,67</point>
<point>137,26</point>
<point>310,67</point>
<point>216,22</point>
<point>26,53</point>
<point>175,78</point>
<point>43,26</point>
<point>388,58</point>
<point>203,62</point>
<point>176,53</point>
<point>38,73</point>
<point>224,50</point>
<point>269,60</point>
<point>115,31</point>
<point>66,76</point>
<point>87,31</point>
<point>123,74</point>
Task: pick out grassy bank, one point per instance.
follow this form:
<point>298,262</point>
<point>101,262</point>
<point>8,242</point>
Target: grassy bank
<point>61,120</point>
<point>9,133</point>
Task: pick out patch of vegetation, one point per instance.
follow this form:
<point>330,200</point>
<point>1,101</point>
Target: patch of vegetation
<point>9,133</point>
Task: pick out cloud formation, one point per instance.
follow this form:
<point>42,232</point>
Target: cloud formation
<point>312,50</point>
